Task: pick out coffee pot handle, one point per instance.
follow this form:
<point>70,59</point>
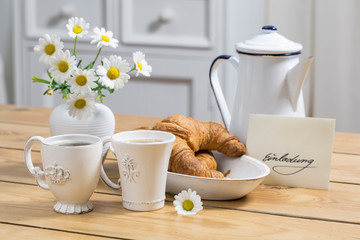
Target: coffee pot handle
<point>39,174</point>
<point>103,175</point>
<point>215,85</point>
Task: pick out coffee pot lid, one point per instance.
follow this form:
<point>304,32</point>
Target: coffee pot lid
<point>269,42</point>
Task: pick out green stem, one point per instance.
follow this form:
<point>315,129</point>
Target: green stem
<point>133,69</point>
<point>51,83</point>
<point>75,46</point>
<point>97,55</point>
<point>91,64</point>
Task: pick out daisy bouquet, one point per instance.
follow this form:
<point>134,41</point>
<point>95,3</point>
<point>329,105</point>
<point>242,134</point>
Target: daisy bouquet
<point>83,85</point>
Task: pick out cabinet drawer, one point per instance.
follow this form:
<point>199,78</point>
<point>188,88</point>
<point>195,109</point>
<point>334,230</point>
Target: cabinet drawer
<point>178,23</point>
<point>51,16</point>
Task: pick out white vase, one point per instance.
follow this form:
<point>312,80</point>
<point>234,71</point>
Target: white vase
<point>101,123</point>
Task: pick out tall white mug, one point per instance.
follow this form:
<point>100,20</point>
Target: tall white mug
<point>70,169</point>
<point>143,159</point>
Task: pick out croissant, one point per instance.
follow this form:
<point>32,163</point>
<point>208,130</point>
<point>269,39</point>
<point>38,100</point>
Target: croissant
<point>194,139</point>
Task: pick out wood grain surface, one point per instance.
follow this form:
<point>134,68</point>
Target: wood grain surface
<point>268,212</point>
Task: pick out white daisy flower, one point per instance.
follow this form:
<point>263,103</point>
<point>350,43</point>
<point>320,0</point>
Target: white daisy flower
<point>103,38</point>
<point>80,106</point>
<point>48,45</point>
<point>77,27</point>
<point>62,65</point>
<point>141,65</point>
<point>113,73</point>
<point>187,202</point>
<point>82,81</point>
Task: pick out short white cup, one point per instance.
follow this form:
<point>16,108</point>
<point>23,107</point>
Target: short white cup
<point>143,159</point>
<point>71,168</point>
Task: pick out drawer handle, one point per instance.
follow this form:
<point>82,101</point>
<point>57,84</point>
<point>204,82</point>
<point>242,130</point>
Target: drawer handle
<point>167,15</point>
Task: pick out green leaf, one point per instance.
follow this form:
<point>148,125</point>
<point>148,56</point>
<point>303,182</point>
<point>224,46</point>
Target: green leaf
<point>65,91</point>
<point>49,74</point>
<point>79,63</point>
<point>40,80</point>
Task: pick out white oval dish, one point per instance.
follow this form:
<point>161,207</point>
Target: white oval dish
<point>246,173</point>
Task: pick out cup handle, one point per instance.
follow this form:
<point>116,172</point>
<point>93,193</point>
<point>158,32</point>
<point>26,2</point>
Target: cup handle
<point>39,174</point>
<point>103,175</point>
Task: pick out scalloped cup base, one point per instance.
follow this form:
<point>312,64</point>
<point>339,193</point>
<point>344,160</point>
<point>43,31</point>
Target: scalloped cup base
<point>143,206</point>
<point>73,208</point>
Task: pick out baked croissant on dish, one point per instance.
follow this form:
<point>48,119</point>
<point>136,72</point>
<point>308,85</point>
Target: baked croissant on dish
<point>194,140</point>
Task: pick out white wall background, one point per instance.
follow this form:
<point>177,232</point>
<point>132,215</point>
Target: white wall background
<point>328,29</point>
<point>336,89</point>
<point>6,76</point>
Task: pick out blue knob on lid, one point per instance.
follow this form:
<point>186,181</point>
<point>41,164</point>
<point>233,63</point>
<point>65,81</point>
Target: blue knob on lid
<point>269,27</point>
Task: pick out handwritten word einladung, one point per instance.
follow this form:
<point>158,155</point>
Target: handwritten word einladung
<point>296,166</point>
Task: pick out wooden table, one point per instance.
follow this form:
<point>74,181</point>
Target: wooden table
<point>268,212</point>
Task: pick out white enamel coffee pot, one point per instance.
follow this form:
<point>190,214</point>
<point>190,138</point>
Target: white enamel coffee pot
<point>270,79</point>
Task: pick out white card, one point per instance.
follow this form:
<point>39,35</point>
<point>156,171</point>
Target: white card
<point>297,150</point>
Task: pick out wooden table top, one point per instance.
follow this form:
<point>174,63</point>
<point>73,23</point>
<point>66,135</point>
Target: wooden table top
<point>268,212</point>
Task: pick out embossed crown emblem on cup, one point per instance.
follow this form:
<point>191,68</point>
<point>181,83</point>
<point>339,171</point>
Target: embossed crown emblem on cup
<point>57,174</point>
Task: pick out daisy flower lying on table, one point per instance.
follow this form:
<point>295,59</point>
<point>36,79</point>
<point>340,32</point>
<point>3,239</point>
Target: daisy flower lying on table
<point>187,202</point>
<point>83,85</point>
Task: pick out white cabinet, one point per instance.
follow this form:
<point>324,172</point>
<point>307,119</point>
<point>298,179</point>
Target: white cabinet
<point>180,39</point>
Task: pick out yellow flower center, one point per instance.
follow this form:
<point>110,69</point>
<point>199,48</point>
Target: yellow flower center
<point>188,205</point>
<point>63,66</point>
<point>105,38</point>
<point>77,29</point>
<point>80,103</point>
<point>139,66</point>
<point>49,49</point>
<point>81,80</point>
<point>113,73</point>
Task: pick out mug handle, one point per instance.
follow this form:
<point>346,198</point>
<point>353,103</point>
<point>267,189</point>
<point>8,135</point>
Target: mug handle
<point>39,174</point>
<point>215,86</point>
<point>103,175</point>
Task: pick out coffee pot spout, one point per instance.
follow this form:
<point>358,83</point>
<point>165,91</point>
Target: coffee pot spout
<point>295,79</point>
